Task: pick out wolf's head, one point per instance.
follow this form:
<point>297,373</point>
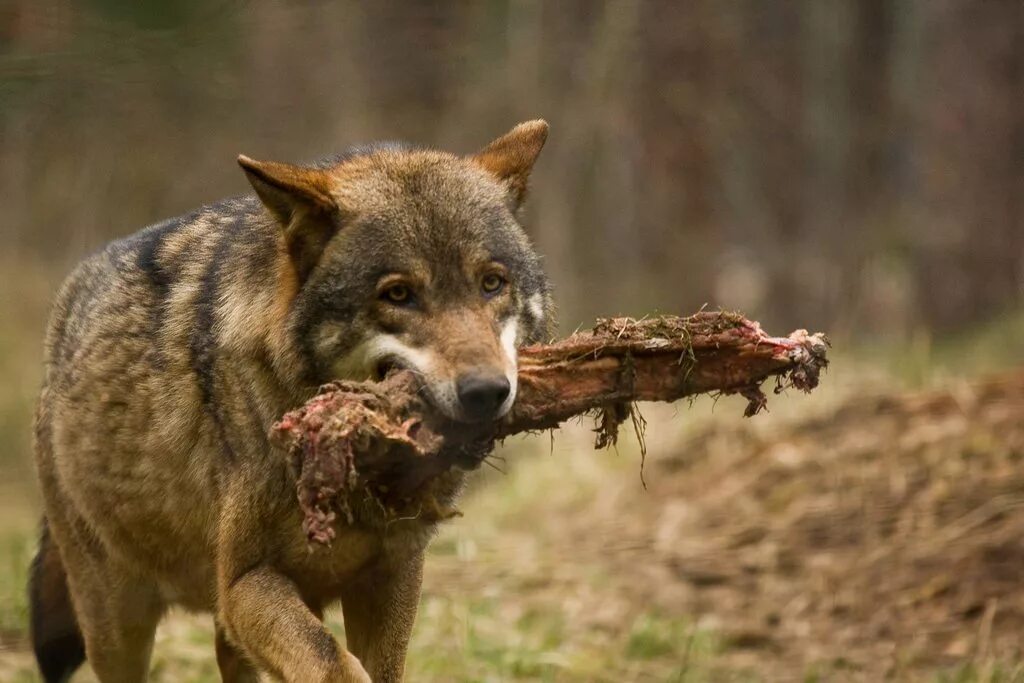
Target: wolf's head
<point>415,259</point>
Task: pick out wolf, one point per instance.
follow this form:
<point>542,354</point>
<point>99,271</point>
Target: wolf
<point>170,353</point>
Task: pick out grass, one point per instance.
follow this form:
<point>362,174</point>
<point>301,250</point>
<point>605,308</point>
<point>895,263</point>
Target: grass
<point>16,550</point>
<point>925,359</point>
<point>987,672</point>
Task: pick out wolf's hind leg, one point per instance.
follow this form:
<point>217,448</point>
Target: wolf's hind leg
<point>117,612</point>
<point>118,618</point>
<point>56,638</point>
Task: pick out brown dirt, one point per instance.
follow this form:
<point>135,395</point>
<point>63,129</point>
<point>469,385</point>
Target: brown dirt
<point>885,539</point>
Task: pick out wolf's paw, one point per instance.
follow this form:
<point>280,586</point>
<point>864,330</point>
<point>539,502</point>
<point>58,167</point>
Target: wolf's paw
<point>352,670</point>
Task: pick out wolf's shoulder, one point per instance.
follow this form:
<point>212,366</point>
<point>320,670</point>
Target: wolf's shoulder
<point>140,269</point>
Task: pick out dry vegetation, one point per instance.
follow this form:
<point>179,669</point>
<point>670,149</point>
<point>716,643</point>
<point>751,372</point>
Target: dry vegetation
<point>885,538</point>
<point>880,540</point>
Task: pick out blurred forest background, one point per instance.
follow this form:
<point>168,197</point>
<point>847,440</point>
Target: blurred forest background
<point>838,164</point>
<point>855,166</point>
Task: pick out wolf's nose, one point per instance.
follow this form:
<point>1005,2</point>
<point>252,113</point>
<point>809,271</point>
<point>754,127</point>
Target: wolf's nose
<point>481,395</point>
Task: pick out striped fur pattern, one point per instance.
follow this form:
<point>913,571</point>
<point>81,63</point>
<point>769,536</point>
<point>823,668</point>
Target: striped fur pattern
<point>169,354</point>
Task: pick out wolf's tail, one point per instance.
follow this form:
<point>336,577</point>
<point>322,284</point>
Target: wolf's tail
<point>56,638</point>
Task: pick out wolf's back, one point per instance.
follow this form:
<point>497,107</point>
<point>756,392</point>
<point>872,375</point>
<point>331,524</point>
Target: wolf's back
<point>133,373</point>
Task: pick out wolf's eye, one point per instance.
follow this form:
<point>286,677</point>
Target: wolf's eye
<point>397,294</point>
<point>492,284</point>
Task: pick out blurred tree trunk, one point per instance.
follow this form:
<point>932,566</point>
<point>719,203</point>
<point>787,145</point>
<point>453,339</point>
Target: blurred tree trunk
<point>677,104</point>
<point>865,228</point>
<point>406,56</point>
<point>775,95</point>
<point>969,161</point>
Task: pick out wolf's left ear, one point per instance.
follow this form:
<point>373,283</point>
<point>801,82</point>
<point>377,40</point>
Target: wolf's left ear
<point>511,156</point>
<point>300,198</point>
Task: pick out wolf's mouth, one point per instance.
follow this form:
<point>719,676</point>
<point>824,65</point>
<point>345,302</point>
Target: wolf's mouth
<point>385,367</point>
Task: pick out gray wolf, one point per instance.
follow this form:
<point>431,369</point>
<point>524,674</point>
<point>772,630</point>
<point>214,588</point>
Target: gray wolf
<point>170,353</point>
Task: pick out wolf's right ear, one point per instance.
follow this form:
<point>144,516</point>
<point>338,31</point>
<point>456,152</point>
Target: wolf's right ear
<point>301,200</point>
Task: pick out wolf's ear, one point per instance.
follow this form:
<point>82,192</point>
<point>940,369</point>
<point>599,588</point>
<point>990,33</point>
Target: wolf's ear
<point>300,198</point>
<point>511,156</point>
<point>288,190</point>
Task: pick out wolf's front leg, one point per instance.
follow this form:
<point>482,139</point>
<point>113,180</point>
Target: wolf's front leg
<point>266,616</point>
<point>260,608</point>
<point>380,608</point>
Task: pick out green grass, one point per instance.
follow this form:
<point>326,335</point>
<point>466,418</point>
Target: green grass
<point>474,641</point>
<point>986,672</point>
<point>925,358</point>
<point>16,550</point>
